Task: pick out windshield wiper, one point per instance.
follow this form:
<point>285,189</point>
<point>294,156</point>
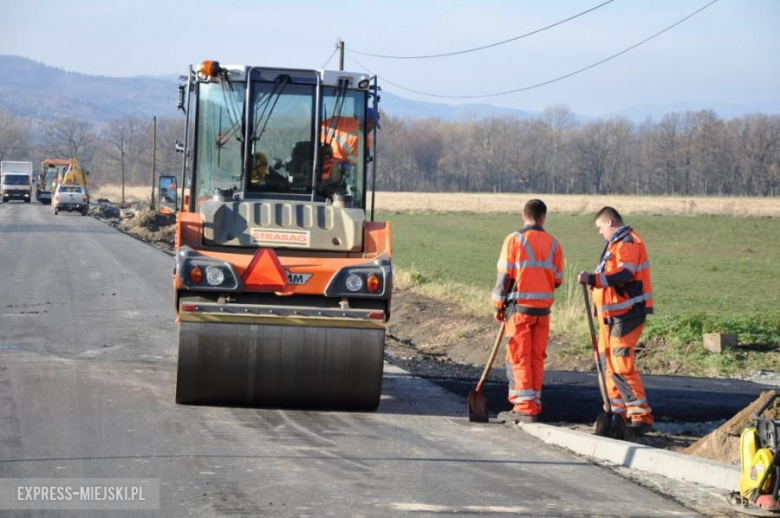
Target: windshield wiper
<point>269,106</point>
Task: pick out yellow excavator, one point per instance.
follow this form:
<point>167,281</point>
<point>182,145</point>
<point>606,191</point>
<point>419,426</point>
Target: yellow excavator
<point>75,175</point>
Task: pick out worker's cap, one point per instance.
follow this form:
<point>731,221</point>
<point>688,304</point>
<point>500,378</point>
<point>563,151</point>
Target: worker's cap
<point>373,116</point>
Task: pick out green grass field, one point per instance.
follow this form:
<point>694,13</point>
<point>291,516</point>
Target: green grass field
<point>710,274</point>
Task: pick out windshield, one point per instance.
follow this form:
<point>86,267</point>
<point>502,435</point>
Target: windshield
<point>282,129</point>
<point>280,139</point>
<point>16,179</point>
<point>219,144</point>
<point>50,178</point>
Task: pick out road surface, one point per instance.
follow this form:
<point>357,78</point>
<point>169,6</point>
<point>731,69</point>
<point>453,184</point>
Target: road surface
<point>87,363</point>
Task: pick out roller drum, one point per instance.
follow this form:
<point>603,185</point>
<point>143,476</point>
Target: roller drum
<point>279,366</point>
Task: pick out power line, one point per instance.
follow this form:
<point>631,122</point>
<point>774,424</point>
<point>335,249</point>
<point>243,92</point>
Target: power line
<point>475,49</point>
<point>544,83</point>
<point>331,56</point>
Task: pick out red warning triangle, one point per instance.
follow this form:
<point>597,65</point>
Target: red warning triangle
<point>265,272</point>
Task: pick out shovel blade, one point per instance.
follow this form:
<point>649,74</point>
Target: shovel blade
<point>477,407</point>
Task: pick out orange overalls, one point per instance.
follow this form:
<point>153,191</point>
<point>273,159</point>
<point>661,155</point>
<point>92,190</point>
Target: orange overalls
<point>623,296</point>
<point>530,268</point>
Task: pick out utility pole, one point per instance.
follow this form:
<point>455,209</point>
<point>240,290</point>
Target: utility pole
<point>154,156</point>
<point>122,161</point>
<point>341,54</point>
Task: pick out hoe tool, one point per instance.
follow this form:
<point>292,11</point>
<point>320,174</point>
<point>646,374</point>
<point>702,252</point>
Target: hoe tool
<point>607,423</point>
<point>477,400</point>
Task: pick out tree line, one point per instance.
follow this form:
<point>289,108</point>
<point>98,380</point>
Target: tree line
<point>123,144</point>
<point>689,153</point>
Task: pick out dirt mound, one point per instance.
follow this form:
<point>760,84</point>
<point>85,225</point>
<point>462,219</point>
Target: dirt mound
<point>723,444</point>
<point>150,226</point>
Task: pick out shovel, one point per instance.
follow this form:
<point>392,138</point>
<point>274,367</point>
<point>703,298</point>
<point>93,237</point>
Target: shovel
<point>607,423</point>
<point>477,400</point>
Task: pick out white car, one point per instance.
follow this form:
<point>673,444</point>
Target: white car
<point>70,197</point>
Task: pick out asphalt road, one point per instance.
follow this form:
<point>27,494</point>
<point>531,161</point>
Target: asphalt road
<point>87,361</point>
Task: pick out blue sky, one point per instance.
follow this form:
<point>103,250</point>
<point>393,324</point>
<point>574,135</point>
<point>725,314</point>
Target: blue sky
<point>728,54</point>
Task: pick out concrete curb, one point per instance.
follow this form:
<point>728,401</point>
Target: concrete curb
<point>637,456</point>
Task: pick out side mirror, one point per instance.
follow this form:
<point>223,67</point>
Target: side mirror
<point>180,104</point>
<point>169,195</point>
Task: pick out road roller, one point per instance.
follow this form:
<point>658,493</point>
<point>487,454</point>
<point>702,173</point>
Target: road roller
<point>282,279</point>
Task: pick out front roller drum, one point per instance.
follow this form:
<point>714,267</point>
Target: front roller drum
<point>279,366</point>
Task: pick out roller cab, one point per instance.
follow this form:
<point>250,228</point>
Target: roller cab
<point>282,280</point>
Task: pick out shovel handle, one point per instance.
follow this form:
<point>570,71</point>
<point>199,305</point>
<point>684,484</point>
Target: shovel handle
<point>595,345</point>
<point>492,358</point>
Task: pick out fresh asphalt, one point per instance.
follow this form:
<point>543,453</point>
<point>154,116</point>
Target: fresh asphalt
<point>87,372</point>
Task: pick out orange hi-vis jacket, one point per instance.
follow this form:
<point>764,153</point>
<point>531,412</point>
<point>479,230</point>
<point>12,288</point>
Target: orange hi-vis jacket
<point>622,280</point>
<point>529,269</point>
<point>343,139</point>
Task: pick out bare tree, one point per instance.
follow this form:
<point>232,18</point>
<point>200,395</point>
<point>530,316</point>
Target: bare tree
<point>559,121</point>
<point>15,141</point>
<point>70,138</point>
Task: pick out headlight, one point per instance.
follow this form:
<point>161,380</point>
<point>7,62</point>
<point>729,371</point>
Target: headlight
<point>354,282</point>
<point>214,275</point>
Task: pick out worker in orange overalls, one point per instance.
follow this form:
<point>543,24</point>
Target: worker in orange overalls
<point>623,296</point>
<point>530,269</point>
<point>342,135</point>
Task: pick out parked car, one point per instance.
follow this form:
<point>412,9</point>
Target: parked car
<point>70,197</point>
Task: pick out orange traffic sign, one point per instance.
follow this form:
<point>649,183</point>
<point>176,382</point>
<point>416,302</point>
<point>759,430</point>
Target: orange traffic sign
<point>265,272</point>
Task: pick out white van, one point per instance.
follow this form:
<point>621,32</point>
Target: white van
<point>16,180</point>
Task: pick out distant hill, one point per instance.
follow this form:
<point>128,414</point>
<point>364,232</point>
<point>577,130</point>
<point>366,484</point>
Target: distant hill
<point>406,108</point>
<point>39,91</point>
<point>42,92</point>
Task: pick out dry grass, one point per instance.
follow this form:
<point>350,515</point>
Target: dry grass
<point>113,192</point>
<point>414,202</point>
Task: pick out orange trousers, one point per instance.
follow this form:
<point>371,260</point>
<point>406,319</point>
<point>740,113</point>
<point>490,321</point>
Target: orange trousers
<point>617,344</point>
<point>525,355</point>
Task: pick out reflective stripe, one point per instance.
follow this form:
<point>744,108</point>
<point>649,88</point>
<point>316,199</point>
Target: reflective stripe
<point>342,139</point>
<point>637,402</point>
<point>517,396</point>
<point>517,295</point>
<point>621,351</point>
<point>618,410</point>
<point>626,304</point>
<point>559,275</point>
<point>524,392</point>
<point>627,266</point>
<point>603,279</point>
<point>616,401</point>
<point>639,410</point>
<point>643,266</point>
<point>505,266</point>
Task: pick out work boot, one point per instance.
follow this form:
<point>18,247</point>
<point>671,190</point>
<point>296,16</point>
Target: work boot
<point>637,429</point>
<point>515,417</point>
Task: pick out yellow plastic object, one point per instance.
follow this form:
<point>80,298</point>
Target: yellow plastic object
<point>748,446</point>
<point>751,477</point>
